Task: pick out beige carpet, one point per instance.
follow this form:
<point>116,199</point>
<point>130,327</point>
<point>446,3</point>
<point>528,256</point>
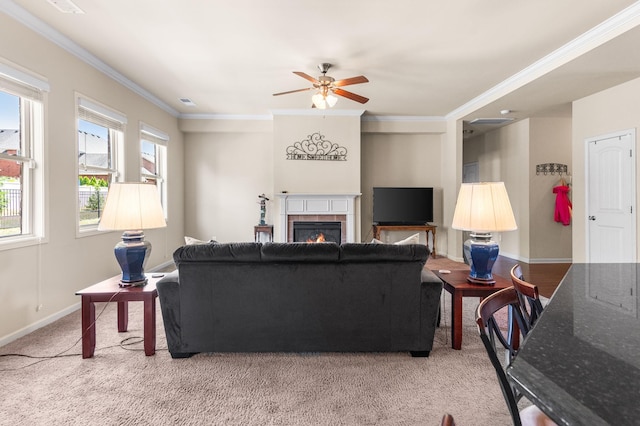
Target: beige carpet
<point>124,387</point>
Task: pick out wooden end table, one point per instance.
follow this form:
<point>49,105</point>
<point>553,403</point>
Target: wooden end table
<point>263,229</point>
<point>457,285</point>
<point>109,290</point>
<point>377,230</point>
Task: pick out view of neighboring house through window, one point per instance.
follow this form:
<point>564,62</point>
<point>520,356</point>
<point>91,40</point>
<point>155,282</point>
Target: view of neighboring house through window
<point>100,132</point>
<point>21,148</point>
<point>153,149</point>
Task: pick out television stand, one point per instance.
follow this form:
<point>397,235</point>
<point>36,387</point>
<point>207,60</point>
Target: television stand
<point>377,229</point>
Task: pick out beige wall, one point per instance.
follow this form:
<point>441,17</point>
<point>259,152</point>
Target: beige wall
<point>226,172</point>
<point>400,160</point>
<point>550,142</point>
<point>509,154</point>
<point>49,274</point>
<point>606,112</point>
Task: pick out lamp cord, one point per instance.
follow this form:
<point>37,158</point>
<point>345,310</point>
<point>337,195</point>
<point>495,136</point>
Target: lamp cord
<point>128,341</point>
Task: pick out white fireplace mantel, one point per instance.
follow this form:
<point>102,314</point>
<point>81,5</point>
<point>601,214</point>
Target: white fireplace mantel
<point>318,204</point>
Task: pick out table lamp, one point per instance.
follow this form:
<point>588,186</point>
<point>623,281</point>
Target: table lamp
<point>482,208</point>
<point>132,207</point>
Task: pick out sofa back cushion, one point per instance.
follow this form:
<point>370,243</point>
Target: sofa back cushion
<point>214,252</point>
<point>371,252</point>
<point>300,252</point>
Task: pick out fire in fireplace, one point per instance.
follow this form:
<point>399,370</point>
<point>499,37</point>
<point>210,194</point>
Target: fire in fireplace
<point>317,232</point>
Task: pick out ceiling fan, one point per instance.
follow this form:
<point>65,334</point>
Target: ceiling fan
<point>326,86</point>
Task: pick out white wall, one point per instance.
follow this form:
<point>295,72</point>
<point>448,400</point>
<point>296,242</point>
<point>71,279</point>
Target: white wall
<point>600,114</point>
<point>50,273</point>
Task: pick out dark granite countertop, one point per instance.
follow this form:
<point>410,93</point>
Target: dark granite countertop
<point>581,362</point>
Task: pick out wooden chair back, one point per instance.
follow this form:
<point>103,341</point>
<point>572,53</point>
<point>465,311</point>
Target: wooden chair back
<point>447,420</point>
<point>528,296</point>
<point>494,338</point>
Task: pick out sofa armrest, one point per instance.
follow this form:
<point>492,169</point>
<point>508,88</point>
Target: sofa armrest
<point>169,295</point>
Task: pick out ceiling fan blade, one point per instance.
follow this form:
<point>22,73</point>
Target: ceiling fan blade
<point>353,80</point>
<point>306,76</point>
<point>351,96</point>
<point>292,91</point>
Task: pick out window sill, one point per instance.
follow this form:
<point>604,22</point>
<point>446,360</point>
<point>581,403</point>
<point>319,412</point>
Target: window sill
<point>11,243</point>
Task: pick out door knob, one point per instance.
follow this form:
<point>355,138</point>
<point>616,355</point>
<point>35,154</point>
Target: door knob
<point>592,218</point>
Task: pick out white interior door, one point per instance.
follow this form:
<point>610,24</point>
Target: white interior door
<point>611,224</point>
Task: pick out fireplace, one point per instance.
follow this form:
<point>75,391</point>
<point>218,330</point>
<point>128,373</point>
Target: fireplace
<point>338,208</point>
<point>317,232</point>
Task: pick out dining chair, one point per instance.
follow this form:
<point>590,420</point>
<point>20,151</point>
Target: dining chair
<point>447,420</point>
<point>528,296</point>
<point>494,337</point>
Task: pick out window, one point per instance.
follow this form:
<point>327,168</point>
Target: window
<point>153,161</point>
<point>21,156</point>
<point>100,138</point>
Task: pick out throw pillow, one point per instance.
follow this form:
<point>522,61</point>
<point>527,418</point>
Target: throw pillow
<point>190,241</point>
<point>414,239</point>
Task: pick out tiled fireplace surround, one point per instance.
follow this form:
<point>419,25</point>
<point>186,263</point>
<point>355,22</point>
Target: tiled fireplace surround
<point>317,208</point>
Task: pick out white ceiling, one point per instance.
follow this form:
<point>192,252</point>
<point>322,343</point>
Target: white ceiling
<point>429,58</point>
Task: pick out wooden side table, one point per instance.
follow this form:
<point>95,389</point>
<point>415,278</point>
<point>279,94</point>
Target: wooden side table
<point>109,290</point>
<point>265,229</point>
<point>377,229</point>
<point>457,285</point>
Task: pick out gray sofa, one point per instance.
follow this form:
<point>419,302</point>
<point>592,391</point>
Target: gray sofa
<point>299,297</point>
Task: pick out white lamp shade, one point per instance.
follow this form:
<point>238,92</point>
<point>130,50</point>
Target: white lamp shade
<point>483,207</point>
<point>132,206</point>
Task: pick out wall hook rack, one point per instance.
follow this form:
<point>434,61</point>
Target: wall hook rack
<point>552,169</point>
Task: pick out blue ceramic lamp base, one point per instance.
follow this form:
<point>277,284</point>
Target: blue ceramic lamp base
<point>132,254</point>
<point>481,252</point>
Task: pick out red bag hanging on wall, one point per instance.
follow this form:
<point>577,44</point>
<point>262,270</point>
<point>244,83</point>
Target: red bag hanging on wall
<point>562,212</point>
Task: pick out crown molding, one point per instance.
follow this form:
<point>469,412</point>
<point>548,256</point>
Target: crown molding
<point>27,19</point>
<point>224,117</point>
<point>405,118</point>
<point>607,30</point>
<point>319,112</point>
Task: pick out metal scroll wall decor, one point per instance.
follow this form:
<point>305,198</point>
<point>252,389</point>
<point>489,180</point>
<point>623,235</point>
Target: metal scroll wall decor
<point>551,168</point>
<point>316,147</point>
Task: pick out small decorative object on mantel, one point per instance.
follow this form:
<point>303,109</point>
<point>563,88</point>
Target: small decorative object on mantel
<point>263,208</point>
<point>551,168</point>
<point>316,147</point>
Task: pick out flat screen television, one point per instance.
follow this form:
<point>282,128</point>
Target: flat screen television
<point>402,206</point>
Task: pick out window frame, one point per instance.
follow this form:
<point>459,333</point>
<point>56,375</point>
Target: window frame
<point>32,92</point>
<point>95,112</point>
<point>161,141</point>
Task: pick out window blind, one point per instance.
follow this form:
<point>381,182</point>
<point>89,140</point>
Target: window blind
<point>91,111</point>
<point>22,84</point>
<point>151,134</point>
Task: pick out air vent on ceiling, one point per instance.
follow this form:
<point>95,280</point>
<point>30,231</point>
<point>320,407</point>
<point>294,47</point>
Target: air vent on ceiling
<point>491,121</point>
<point>187,102</point>
<point>66,6</point>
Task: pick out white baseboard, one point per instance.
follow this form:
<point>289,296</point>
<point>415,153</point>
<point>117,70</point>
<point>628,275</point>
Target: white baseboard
<point>162,266</point>
<point>54,317</point>
<point>38,324</point>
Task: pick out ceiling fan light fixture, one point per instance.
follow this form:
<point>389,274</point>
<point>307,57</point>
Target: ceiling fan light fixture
<point>331,100</point>
<point>319,101</point>
<point>322,101</point>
